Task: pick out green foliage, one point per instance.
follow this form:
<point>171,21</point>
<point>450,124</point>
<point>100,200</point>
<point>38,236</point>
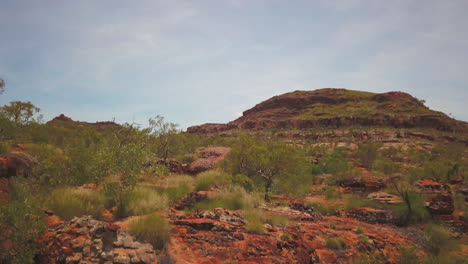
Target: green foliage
<point>335,243</point>
<point>370,258</point>
<point>21,225</point>
<point>144,200</point>
<point>244,181</point>
<point>254,222</point>
<point>4,148</point>
<point>436,239</point>
<point>278,166</point>
<point>353,201</point>
<point>325,209</point>
<point>70,202</point>
<point>360,229</point>
<point>386,166</point>
<point>164,134</point>
<point>21,112</point>
<point>336,162</point>
<point>176,193</point>
<point>330,193</point>
<point>407,255</point>
<point>207,179</point>
<point>232,199</point>
<point>412,209</point>
<point>367,154</point>
<point>152,229</point>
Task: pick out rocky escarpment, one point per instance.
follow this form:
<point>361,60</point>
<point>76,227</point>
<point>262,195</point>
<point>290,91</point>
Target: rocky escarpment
<point>336,108</point>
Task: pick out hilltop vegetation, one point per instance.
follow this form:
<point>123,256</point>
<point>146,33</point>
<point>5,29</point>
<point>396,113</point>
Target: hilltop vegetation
<point>374,192</point>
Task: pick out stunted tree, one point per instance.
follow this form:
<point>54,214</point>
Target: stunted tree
<point>21,112</point>
<point>163,133</point>
<point>277,165</point>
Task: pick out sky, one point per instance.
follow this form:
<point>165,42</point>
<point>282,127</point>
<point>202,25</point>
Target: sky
<point>203,61</point>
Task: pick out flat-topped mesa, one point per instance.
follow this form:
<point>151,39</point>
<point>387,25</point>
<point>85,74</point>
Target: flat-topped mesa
<point>335,108</point>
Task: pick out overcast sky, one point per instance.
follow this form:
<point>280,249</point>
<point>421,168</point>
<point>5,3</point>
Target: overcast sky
<point>207,61</point>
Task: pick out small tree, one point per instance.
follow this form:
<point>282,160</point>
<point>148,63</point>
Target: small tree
<point>273,162</point>
<point>367,153</point>
<point>21,112</point>
<point>413,209</point>
<point>164,133</point>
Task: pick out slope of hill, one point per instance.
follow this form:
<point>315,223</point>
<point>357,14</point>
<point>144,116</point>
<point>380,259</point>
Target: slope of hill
<point>337,108</point>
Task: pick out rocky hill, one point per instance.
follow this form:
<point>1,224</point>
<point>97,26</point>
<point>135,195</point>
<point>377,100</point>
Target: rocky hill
<point>65,120</point>
<point>338,108</point>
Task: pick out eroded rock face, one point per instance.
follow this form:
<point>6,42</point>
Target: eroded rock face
<point>209,157</point>
<point>439,199</point>
<point>371,215</point>
<point>85,240</point>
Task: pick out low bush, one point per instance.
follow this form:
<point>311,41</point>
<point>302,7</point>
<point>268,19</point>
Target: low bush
<point>325,209</point>
<point>70,202</point>
<point>407,255</point>
<point>336,243</point>
<point>233,199</point>
<point>353,201</point>
<point>330,193</point>
<point>208,179</point>
<point>152,229</point>
<point>144,200</point>
<point>437,239</point>
<point>176,193</point>
<point>21,225</point>
<point>254,222</point>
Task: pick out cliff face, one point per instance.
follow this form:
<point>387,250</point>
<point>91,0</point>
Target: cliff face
<point>336,108</point>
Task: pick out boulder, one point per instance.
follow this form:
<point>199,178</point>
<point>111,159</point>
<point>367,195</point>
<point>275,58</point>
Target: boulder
<point>209,157</point>
<point>17,164</point>
<point>439,199</point>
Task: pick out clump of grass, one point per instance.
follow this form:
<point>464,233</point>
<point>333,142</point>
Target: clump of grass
<point>70,202</point>
<point>336,243</point>
<point>276,220</point>
<point>360,229</point>
<point>437,239</point>
<point>176,180</point>
<point>407,255</point>
<point>363,239</point>
<point>176,193</point>
<point>325,209</point>
<point>144,200</point>
<point>330,193</point>
<point>207,179</point>
<point>152,229</point>
<point>353,201</point>
<point>233,199</point>
<point>254,222</point>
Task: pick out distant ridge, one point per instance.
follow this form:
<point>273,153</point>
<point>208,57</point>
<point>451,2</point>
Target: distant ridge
<point>336,108</point>
<point>63,119</point>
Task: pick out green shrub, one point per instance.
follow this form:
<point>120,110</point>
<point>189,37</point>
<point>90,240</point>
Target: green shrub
<point>367,153</point>
<point>244,181</point>
<point>370,258</point>
<point>330,193</point>
<point>144,200</point>
<point>353,201</point>
<point>386,166</point>
<point>407,255</point>
<point>4,148</point>
<point>21,225</point>
<point>437,239</point>
<point>325,209</point>
<point>232,199</point>
<point>276,220</point>
<point>254,222</point>
<point>152,229</point>
<point>360,229</point>
<point>176,193</point>
<point>363,239</point>
<point>336,243</point>
<point>207,179</point>
<point>70,202</point>
<point>412,209</point>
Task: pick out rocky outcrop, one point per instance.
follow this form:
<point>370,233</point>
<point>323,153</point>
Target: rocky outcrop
<point>209,157</point>
<point>85,240</point>
<point>191,199</point>
<point>371,215</point>
<point>222,236</point>
<point>384,198</point>
<point>17,164</point>
<point>63,119</point>
<point>337,108</point>
<point>439,199</point>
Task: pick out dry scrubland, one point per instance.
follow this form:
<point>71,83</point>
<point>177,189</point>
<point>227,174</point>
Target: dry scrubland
<point>372,178</point>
